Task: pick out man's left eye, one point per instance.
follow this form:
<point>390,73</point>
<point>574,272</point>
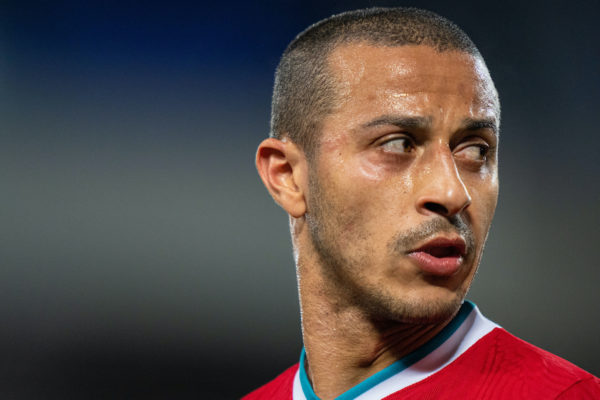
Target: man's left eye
<point>474,152</point>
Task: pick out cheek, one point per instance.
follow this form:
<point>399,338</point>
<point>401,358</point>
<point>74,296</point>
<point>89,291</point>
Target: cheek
<point>377,196</point>
<point>369,171</point>
<point>390,187</point>
<point>382,172</point>
<point>484,196</point>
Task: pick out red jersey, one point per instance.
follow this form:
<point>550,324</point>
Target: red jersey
<point>471,358</point>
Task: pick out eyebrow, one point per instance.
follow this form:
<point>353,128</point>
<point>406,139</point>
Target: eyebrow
<point>400,121</point>
<point>470,124</point>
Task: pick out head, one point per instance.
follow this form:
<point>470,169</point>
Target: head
<point>305,90</point>
<point>383,151</point>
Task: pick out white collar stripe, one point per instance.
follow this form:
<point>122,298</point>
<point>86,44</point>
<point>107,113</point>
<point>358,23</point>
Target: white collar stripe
<point>297,392</point>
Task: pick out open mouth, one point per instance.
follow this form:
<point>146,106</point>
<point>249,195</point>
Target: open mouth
<point>442,251</point>
<point>440,256</point>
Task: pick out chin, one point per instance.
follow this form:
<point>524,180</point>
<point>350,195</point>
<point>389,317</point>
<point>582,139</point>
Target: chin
<point>435,305</point>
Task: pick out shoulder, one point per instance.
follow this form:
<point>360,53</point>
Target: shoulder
<point>526,371</point>
<point>501,366</point>
<point>587,388</point>
<point>524,357</point>
<point>279,388</point>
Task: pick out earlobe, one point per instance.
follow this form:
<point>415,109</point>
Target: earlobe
<point>282,168</point>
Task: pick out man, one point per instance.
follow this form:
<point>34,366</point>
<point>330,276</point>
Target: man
<point>383,151</point>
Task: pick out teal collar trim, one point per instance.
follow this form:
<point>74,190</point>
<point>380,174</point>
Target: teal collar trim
<point>396,367</point>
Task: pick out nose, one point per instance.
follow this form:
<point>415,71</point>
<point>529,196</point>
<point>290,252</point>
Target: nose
<point>442,190</point>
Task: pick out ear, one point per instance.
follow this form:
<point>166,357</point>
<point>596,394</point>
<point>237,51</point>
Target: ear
<point>282,167</point>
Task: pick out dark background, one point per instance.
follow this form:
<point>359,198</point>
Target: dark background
<point>142,258</point>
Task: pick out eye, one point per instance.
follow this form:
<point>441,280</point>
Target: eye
<point>400,144</point>
<point>473,152</point>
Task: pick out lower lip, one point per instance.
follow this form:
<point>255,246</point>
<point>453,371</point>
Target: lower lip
<point>439,266</point>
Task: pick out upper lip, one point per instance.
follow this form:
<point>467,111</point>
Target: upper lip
<point>449,245</point>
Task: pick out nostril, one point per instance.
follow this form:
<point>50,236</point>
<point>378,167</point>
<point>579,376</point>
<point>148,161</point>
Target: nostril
<point>436,208</point>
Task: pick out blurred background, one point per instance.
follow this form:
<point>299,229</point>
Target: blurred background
<point>142,258</point>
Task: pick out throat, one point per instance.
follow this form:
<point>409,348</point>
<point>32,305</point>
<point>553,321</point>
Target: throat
<point>341,355</point>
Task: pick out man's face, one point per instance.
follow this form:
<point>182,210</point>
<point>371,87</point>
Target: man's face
<point>403,187</point>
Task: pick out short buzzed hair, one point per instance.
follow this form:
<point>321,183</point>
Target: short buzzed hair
<point>304,91</point>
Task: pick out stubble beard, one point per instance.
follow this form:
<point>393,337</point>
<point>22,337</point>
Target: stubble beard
<point>343,272</point>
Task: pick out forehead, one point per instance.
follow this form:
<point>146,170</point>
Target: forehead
<point>380,74</point>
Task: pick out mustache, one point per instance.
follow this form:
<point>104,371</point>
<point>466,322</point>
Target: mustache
<point>413,237</point>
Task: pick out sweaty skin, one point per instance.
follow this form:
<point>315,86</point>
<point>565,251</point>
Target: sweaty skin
<point>409,154</point>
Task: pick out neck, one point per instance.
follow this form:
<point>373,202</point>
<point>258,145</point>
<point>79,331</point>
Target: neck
<point>343,345</point>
